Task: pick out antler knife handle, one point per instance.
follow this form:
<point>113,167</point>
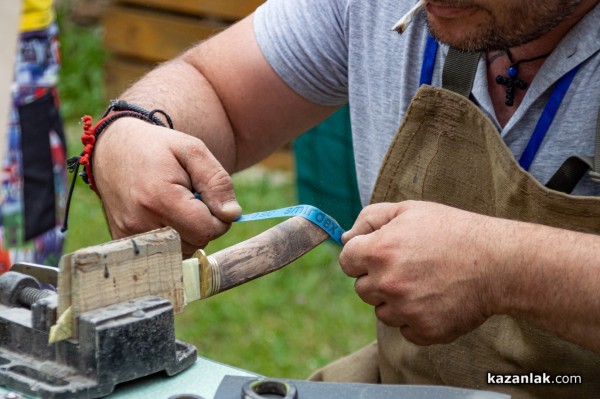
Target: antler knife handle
<point>258,256</point>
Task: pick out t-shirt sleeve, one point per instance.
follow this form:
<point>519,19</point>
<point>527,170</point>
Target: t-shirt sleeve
<point>305,41</point>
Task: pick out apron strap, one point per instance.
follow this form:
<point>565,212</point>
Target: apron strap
<point>459,71</point>
<point>458,76</point>
<point>595,173</point>
<point>574,168</point>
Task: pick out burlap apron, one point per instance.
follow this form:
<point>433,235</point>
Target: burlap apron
<point>448,151</point>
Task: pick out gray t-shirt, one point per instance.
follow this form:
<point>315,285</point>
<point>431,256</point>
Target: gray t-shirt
<point>335,51</point>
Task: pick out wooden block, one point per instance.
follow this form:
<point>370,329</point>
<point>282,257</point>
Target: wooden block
<point>191,279</point>
<point>8,49</point>
<point>231,10</point>
<point>120,73</point>
<point>153,36</point>
<point>133,267</point>
<point>64,284</point>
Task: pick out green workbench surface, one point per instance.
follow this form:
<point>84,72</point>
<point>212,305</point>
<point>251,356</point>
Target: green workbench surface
<point>202,379</point>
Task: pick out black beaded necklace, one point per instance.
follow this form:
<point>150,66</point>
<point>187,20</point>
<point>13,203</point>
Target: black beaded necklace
<point>512,81</point>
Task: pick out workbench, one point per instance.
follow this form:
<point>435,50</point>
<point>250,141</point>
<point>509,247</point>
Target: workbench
<point>202,379</point>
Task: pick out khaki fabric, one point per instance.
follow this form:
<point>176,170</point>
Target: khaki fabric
<point>360,366</point>
<point>448,151</point>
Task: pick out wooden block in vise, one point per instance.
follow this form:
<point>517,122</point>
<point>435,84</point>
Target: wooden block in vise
<point>133,267</point>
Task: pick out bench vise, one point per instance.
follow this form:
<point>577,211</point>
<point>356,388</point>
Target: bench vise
<point>114,344</point>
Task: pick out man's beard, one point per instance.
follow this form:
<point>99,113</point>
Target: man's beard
<point>517,25</point>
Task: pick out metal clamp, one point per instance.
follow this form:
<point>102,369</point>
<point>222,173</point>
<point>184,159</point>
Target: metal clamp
<point>256,388</point>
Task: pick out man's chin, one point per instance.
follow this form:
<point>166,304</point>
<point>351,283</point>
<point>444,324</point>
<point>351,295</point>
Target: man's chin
<point>471,33</point>
<point>463,38</point>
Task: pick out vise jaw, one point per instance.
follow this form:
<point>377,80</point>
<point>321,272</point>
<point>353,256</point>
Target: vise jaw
<point>116,343</point>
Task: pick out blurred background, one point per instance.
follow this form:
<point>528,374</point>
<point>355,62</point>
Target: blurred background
<point>286,324</point>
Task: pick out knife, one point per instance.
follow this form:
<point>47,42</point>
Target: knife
<point>207,275</point>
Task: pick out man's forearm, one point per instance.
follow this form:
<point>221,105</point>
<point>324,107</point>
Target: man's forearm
<point>224,92</point>
<point>180,90</point>
<point>552,278</point>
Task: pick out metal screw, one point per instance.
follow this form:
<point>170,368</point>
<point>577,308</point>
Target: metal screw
<point>12,395</point>
<point>28,296</point>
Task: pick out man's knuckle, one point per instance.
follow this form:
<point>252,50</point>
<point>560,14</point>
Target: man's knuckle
<point>381,312</point>
<point>348,250</point>
<point>412,312</point>
<point>193,148</point>
<point>129,225</point>
<point>387,286</point>
<point>349,253</point>
<point>219,181</point>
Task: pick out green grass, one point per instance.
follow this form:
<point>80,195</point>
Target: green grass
<point>81,84</point>
<point>285,324</point>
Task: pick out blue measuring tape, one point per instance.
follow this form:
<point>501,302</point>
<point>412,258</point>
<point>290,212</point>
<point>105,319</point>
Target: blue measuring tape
<point>548,114</point>
<point>309,212</point>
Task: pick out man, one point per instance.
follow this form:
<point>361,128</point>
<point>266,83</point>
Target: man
<point>488,271</point>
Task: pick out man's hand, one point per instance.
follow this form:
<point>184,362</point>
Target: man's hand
<point>141,193</point>
<point>423,266</point>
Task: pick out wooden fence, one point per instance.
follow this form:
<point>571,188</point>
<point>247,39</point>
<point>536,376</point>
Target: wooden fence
<point>139,34</point>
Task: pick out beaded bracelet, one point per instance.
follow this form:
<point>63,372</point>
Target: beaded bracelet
<point>116,110</point>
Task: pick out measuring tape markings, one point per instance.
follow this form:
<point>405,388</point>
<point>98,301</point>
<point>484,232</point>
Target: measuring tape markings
<point>309,212</point>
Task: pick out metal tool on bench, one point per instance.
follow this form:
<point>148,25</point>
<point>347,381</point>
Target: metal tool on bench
<point>117,343</point>
<point>294,389</point>
<point>121,298</point>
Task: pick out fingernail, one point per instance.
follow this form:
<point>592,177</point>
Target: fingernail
<point>232,208</point>
<point>344,237</point>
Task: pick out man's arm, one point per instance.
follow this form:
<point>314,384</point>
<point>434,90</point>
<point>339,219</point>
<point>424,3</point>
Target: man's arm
<point>230,109</point>
<point>438,272</point>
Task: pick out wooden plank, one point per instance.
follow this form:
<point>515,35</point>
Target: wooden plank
<point>64,284</point>
<point>120,73</point>
<point>133,267</point>
<point>153,36</point>
<point>9,28</point>
<point>88,12</point>
<point>231,10</point>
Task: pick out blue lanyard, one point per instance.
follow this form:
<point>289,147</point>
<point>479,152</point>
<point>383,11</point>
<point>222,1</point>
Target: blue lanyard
<point>431,48</point>
<point>548,114</point>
